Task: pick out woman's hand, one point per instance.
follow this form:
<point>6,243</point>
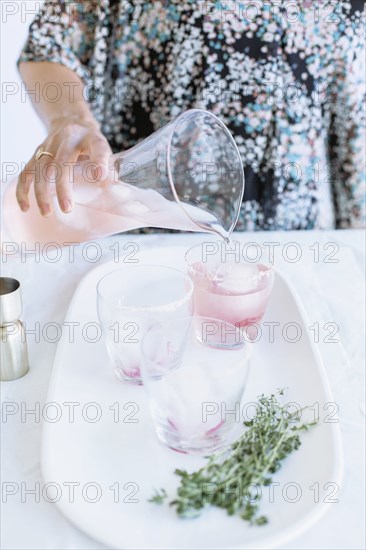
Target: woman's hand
<point>68,138</point>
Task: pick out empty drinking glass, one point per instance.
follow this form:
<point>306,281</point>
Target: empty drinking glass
<point>195,383</point>
<point>133,299</point>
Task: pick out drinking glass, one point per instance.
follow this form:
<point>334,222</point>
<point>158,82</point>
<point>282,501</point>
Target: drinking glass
<point>133,299</point>
<point>232,281</point>
<point>195,383</point>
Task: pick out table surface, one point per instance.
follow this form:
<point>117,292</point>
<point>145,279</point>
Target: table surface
<point>327,270</point>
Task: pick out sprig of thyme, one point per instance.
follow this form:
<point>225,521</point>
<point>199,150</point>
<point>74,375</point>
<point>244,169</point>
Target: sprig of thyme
<point>230,479</point>
<point>158,497</point>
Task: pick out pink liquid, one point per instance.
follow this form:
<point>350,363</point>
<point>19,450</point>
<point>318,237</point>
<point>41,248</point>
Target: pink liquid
<point>98,212</point>
<point>237,293</point>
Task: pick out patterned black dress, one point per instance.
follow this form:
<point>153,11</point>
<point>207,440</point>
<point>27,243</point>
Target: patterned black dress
<point>287,78</point>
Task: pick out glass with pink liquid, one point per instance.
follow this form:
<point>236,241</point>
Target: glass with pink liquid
<point>133,299</point>
<point>232,281</point>
<point>195,383</point>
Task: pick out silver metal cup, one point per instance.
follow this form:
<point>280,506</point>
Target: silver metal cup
<point>13,346</point>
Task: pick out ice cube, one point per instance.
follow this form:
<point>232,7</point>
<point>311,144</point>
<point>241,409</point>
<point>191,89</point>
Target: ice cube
<point>86,194</point>
<point>119,192</point>
<point>237,278</point>
<point>136,207</point>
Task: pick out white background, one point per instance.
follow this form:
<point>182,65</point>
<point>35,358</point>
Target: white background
<point>21,130</point>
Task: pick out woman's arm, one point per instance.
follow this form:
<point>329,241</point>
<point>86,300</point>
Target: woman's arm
<point>72,131</point>
<point>70,100</point>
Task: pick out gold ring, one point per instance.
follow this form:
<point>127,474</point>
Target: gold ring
<point>42,152</point>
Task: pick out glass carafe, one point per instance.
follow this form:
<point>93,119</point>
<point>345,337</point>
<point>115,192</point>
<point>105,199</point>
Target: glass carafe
<point>187,175</point>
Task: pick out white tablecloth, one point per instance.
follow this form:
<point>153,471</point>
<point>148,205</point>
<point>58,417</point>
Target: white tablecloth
<point>331,292</point>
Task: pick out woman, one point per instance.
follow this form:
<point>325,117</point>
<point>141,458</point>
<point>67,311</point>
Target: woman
<point>287,78</point>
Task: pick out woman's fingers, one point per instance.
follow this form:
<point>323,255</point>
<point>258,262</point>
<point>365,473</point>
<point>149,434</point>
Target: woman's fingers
<point>66,145</point>
<point>99,153</point>
<point>67,157</point>
<point>42,181</point>
<point>38,173</point>
<point>24,183</point>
